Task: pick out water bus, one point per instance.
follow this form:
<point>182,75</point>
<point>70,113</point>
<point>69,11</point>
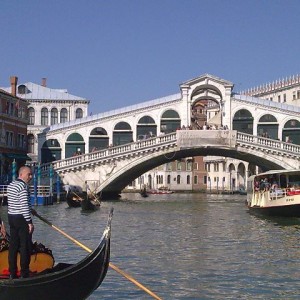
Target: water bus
<point>275,193</point>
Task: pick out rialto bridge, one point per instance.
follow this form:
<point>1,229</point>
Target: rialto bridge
<point>206,101</point>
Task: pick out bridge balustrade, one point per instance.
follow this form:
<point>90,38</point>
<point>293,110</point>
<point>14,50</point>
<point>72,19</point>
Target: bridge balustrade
<point>269,143</point>
<point>111,152</point>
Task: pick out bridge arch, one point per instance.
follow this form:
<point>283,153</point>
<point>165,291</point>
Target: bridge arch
<point>75,145</point>
<point>243,121</point>
<point>98,139</point>
<point>268,126</point>
<point>51,151</point>
<point>291,131</point>
<point>146,126</point>
<point>122,133</point>
<point>170,121</point>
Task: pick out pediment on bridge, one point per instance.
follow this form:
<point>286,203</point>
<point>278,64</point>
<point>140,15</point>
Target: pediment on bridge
<point>207,79</point>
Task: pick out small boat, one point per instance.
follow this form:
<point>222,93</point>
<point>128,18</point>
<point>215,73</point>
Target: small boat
<point>242,191</point>
<point>275,193</point>
<point>73,201</point>
<point>63,281</point>
<point>90,204</point>
<point>144,193</point>
<point>160,191</point>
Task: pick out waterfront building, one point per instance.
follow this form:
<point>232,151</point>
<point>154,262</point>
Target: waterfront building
<point>187,174</point>
<point>46,107</point>
<point>13,131</point>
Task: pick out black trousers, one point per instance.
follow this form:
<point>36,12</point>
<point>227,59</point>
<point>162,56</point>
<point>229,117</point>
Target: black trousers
<point>20,240</point>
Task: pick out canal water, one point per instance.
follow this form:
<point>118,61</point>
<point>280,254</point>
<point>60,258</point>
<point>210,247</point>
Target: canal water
<point>183,246</point>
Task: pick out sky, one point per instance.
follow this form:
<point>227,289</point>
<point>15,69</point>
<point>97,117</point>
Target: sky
<point>117,53</point>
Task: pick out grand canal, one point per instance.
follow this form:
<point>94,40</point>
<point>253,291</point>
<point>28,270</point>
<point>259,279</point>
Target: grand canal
<point>183,246</point>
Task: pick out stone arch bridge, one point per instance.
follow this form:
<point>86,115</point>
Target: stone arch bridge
<point>110,170</point>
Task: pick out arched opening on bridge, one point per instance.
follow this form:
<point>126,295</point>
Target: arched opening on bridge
<point>205,111</point>
<point>291,132</point>
<point>170,121</point>
<point>98,139</point>
<point>51,151</point>
<point>146,127</point>
<point>243,121</point>
<point>75,145</point>
<point>267,126</point>
<point>206,107</point>
<point>122,134</point>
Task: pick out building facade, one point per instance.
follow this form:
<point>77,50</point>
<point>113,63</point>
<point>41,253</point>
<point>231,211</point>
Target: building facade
<point>13,138</point>
<point>46,107</point>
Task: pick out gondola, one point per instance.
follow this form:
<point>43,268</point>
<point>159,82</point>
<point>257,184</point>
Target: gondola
<point>63,281</point>
<point>89,204</point>
<point>73,202</point>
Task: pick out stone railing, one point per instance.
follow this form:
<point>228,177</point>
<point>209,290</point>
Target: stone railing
<point>251,140</point>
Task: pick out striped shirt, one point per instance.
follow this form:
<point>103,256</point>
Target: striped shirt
<point>18,199</point>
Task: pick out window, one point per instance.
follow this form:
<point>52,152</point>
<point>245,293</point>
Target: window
<point>178,165</point>
<point>298,94</point>
<point>63,115</point>
<point>30,143</point>
<point>216,167</point>
<point>54,116</point>
<point>169,179</point>
<point>279,99</point>
<point>31,115</point>
<point>178,179</point>
<point>188,179</point>
<point>169,166</point>
<point>44,116</point>
<point>196,179</point>
<point>284,97</point>
<point>79,113</point>
<point>189,165</point>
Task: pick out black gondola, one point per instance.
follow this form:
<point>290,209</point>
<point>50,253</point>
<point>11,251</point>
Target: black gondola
<point>64,281</point>
<point>88,204</point>
<point>73,202</point>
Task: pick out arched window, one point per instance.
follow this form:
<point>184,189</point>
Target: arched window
<point>31,115</point>
<point>79,113</point>
<point>30,143</point>
<point>169,179</point>
<point>243,121</point>
<point>188,179</point>
<point>98,139</point>
<point>63,115</point>
<point>178,179</point>
<point>170,121</point>
<point>146,127</point>
<point>54,116</point>
<point>122,134</point>
<point>268,126</point>
<point>44,116</point>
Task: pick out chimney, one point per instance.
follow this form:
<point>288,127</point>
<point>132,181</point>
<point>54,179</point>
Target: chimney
<point>13,84</point>
<point>44,82</point>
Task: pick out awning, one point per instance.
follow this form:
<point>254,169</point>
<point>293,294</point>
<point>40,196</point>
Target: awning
<point>17,156</point>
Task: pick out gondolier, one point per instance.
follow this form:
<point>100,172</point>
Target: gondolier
<point>20,222</point>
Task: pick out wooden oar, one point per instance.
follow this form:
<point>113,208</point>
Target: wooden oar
<point>78,197</point>
<point>127,276</point>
